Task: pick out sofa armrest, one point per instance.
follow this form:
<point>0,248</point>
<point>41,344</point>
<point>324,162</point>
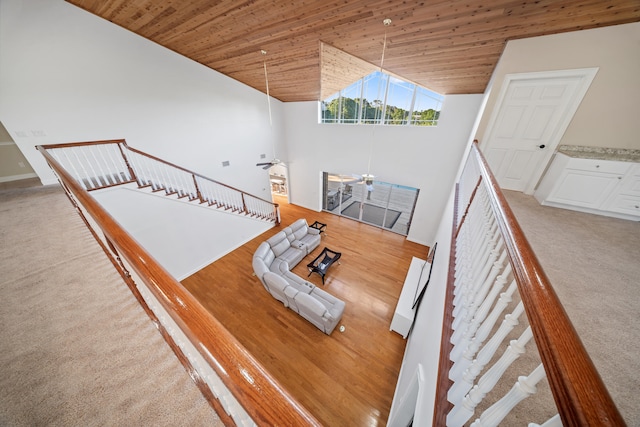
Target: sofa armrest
<point>279,266</point>
<point>313,231</point>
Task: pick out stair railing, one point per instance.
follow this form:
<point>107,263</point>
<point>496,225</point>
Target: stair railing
<point>237,386</point>
<point>103,164</point>
<point>499,305</point>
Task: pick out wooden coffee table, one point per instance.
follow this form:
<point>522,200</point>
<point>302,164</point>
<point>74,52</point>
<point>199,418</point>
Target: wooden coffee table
<point>323,261</point>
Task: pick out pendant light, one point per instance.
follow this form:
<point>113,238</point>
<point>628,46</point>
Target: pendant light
<point>368,178</point>
<point>274,161</point>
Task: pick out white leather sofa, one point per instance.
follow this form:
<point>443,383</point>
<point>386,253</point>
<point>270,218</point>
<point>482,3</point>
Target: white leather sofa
<point>272,263</point>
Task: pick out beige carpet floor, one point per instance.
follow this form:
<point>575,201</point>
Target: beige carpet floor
<point>593,263</point>
<point>76,349</point>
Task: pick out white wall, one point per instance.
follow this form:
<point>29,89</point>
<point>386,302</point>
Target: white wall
<point>422,157</point>
<point>423,344</point>
<point>66,76</point>
<point>193,235</point>
<point>607,116</point>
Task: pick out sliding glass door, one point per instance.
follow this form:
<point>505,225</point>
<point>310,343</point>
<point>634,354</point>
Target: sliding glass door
<point>385,205</point>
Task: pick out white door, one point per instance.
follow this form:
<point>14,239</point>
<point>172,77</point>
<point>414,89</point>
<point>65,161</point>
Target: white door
<point>532,112</point>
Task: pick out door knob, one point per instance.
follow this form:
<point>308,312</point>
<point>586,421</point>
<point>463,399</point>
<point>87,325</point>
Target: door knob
<point>541,146</point>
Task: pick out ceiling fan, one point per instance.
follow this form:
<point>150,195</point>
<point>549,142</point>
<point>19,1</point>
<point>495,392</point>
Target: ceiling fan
<point>267,165</point>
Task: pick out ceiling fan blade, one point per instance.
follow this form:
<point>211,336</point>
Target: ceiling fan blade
<point>263,164</point>
<point>267,166</point>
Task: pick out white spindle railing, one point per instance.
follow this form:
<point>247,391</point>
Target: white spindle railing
<point>485,356</point>
<point>525,387</point>
<point>95,166</point>
<point>102,164</point>
<point>220,195</point>
<point>483,272</point>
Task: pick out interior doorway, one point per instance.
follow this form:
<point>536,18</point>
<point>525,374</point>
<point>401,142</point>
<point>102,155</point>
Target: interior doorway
<point>279,181</point>
<point>382,204</point>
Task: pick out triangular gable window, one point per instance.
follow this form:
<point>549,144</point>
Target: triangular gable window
<point>380,98</point>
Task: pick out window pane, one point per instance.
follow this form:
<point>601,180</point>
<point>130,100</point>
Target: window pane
<point>385,205</point>
<point>402,200</point>
<point>330,108</point>
<point>375,85</point>
<point>426,110</point>
<point>350,100</point>
<point>398,101</point>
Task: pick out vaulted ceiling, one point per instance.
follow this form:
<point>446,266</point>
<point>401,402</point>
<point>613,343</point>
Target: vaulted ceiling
<point>449,46</point>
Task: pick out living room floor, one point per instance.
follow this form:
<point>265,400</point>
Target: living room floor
<point>347,378</point>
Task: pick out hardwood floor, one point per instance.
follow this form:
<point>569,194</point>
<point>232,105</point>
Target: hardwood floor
<point>348,378</point>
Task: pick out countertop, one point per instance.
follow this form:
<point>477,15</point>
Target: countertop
<point>601,153</point>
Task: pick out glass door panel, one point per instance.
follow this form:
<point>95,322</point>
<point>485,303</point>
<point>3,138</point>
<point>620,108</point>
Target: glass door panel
<point>384,205</point>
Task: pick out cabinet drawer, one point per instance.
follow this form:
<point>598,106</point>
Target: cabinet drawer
<point>626,204</point>
<point>604,166</point>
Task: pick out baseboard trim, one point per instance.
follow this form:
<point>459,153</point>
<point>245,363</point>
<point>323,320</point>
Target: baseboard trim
<point>18,177</point>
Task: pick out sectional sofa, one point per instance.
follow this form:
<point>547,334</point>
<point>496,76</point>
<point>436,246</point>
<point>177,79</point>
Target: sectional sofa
<point>272,264</point>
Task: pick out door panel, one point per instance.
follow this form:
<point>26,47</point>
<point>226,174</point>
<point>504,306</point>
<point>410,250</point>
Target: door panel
<point>528,122</point>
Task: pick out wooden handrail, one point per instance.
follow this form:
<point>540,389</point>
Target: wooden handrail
<point>142,153</point>
<point>441,404</point>
<point>580,395</point>
<point>261,396</point>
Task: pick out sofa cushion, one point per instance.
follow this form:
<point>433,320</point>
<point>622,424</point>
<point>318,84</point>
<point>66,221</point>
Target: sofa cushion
<point>308,304</point>
<point>262,260</point>
<point>299,228</point>
<point>333,304</point>
<point>276,285</point>
<point>279,243</point>
<point>303,237</point>
<point>281,247</point>
<point>298,283</point>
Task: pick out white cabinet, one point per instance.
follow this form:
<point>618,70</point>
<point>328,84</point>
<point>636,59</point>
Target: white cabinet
<point>605,187</point>
<point>404,313</point>
<point>627,199</point>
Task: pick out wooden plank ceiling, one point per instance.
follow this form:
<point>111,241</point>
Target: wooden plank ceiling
<point>449,46</point>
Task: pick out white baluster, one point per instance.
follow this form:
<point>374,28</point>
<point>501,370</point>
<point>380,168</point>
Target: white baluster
<point>116,169</point>
<point>554,421</point>
<point>462,349</point>
<point>487,352</point>
<point>86,152</point>
<point>156,175</point>
<point>85,172</point>
<point>468,296</point>
<point>102,176</point>
<point>477,299</point>
<point>523,388</point>
<point>488,381</point>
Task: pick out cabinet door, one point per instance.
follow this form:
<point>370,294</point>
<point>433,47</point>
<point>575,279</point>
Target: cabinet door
<point>583,188</point>
<point>625,204</point>
<point>631,183</point>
